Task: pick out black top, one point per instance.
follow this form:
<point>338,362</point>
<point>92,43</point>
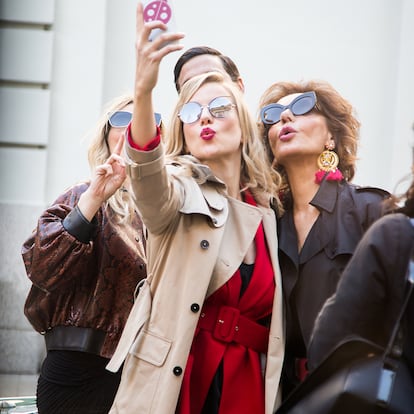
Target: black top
<point>371,292</point>
<point>311,276</point>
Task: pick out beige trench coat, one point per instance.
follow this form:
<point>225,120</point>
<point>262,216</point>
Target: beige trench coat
<point>206,235</point>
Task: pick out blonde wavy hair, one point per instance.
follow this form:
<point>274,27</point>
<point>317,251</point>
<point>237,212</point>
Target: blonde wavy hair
<point>339,115</point>
<point>98,152</point>
<point>256,172</point>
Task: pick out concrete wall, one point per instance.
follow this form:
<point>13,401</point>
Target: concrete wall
<point>26,55</point>
<point>61,60</point>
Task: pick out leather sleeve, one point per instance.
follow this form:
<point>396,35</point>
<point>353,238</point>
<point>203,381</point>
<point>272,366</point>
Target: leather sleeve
<point>52,254</point>
<point>78,226</point>
<point>370,290</point>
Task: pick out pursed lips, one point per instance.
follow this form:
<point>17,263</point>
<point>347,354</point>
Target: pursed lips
<point>286,133</point>
<point>207,134</point>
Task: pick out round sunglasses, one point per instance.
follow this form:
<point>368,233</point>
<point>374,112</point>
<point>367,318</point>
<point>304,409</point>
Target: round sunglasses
<point>121,119</point>
<point>218,107</point>
<point>301,105</point>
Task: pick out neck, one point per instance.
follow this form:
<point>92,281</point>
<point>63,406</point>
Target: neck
<point>229,173</point>
<point>302,186</point>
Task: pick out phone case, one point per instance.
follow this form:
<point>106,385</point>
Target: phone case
<point>159,10</point>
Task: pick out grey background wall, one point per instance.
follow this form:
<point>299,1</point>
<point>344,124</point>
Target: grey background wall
<point>61,60</point>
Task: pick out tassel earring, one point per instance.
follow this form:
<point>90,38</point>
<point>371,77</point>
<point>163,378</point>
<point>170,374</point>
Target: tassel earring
<point>328,162</point>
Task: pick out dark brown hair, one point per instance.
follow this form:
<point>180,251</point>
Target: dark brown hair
<point>228,64</point>
<point>338,112</point>
<point>402,203</point>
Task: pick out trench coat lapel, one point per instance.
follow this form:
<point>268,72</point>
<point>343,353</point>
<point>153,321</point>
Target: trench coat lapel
<point>240,230</point>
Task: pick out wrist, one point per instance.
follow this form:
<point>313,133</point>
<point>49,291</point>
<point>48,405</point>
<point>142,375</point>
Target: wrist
<point>78,226</point>
<point>89,204</point>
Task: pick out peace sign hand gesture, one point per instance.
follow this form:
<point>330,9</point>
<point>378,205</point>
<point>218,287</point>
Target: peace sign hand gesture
<point>106,180</point>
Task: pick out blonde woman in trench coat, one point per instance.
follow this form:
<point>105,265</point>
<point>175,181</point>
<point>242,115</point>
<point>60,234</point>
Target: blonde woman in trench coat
<point>204,192</point>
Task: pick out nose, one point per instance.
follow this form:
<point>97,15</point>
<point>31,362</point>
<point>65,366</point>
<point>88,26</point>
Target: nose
<point>205,116</point>
<point>286,116</point>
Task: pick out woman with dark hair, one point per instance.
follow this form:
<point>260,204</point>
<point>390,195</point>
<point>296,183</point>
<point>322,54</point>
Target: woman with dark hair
<point>311,135</point>
<point>372,287</point>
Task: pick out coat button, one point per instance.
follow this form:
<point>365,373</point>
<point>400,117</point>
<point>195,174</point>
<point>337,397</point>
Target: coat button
<point>177,371</point>
<point>195,307</point>
<point>204,244</point>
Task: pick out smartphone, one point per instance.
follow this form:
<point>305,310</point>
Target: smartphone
<point>159,10</point>
<point>385,387</point>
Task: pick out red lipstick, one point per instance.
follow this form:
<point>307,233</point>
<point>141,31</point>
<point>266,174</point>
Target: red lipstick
<point>207,134</point>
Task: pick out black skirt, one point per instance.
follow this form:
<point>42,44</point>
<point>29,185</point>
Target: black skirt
<point>75,382</point>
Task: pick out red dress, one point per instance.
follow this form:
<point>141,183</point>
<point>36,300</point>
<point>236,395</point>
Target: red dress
<point>229,336</point>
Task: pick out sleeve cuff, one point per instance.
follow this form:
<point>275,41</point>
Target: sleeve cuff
<point>78,226</point>
<point>150,146</point>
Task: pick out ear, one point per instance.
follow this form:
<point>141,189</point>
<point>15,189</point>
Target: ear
<point>330,145</point>
<point>240,83</point>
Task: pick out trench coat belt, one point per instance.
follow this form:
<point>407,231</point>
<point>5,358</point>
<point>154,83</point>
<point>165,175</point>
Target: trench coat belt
<point>227,325</point>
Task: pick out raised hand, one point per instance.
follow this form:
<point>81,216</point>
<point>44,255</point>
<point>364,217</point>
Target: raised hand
<point>150,53</point>
<point>148,58</point>
<point>107,179</point>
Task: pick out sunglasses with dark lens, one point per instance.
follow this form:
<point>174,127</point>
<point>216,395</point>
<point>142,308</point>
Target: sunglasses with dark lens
<point>191,111</point>
<point>301,105</point>
<point>121,119</point>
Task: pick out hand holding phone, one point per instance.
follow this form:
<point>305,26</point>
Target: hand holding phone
<point>159,10</point>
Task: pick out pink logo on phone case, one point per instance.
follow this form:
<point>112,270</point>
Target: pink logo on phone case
<point>157,10</point>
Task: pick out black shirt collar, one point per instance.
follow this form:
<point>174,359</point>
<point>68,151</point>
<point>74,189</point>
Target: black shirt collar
<point>326,196</point>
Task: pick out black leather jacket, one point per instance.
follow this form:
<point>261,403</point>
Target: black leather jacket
<point>84,275</point>
<point>370,292</point>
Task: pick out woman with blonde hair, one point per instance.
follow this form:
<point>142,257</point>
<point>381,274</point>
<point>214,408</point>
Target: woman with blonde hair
<point>212,334</point>
<point>312,134</point>
<point>84,260</point>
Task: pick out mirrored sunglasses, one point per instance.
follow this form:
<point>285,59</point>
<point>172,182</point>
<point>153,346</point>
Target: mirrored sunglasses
<point>191,111</point>
<point>121,119</point>
<point>301,105</point>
